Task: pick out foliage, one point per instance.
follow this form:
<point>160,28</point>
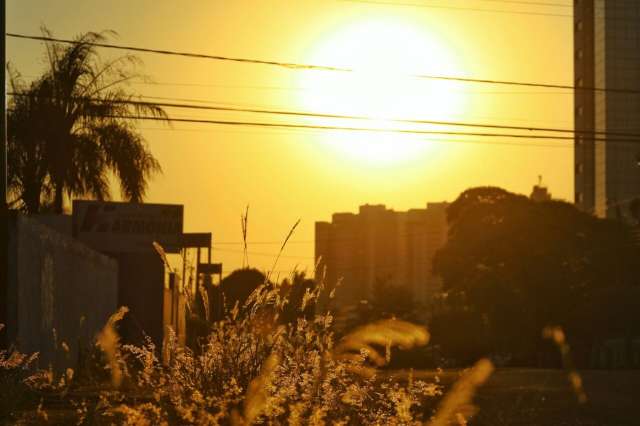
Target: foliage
<point>74,126</point>
<point>257,365</point>
<point>254,369</point>
<point>460,337</point>
<point>520,265</point>
<point>389,301</point>
<point>234,288</point>
<point>28,178</point>
<point>15,369</point>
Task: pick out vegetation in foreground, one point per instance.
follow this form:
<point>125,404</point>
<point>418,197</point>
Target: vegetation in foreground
<point>252,367</point>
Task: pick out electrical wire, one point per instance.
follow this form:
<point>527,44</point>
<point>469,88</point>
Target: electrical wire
<point>473,9</point>
<point>362,129</point>
<point>362,117</point>
<point>300,66</point>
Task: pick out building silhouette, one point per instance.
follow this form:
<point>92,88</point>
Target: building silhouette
<point>381,245</point>
<point>540,192</point>
<point>607,56</point>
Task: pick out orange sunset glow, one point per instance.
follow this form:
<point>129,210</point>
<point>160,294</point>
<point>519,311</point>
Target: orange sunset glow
<point>217,170</point>
<point>319,212</point>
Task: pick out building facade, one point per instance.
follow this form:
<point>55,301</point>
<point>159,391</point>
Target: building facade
<point>379,244</point>
<point>607,56</point>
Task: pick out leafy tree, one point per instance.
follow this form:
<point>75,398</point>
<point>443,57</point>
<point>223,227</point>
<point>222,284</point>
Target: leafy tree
<point>521,265</point>
<point>74,126</point>
<point>390,301</point>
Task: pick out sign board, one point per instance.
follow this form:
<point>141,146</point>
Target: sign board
<point>210,268</point>
<point>196,240</point>
<point>116,227</point>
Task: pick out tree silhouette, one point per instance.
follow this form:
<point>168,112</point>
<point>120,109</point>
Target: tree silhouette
<point>74,126</point>
<point>298,290</point>
<point>522,265</point>
<point>28,178</point>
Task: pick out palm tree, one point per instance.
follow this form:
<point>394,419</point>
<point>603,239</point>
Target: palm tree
<point>28,181</point>
<point>76,125</point>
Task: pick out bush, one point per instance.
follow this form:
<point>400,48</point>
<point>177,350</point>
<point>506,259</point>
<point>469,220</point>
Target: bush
<point>15,370</point>
<point>253,367</point>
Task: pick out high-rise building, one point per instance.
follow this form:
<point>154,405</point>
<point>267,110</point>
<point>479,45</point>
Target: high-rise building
<point>607,56</point>
<point>379,244</point>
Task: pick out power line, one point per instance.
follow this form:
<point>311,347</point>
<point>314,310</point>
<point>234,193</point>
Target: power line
<point>273,125</point>
<point>523,144</point>
<point>474,9</point>
<point>380,130</point>
<point>463,9</point>
<point>264,254</point>
<point>356,129</point>
<point>532,3</point>
<point>311,89</point>
<point>262,242</point>
<point>398,120</point>
<point>300,66</point>
<point>211,102</point>
<point>362,117</point>
<point>290,65</point>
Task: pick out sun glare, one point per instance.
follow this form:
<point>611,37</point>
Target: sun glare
<point>385,56</point>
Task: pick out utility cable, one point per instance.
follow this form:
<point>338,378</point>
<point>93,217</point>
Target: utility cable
<point>300,66</point>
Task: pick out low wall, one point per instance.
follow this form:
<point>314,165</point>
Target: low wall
<point>59,291</point>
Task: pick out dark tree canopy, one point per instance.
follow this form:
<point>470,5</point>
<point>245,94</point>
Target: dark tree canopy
<point>238,286</point>
<point>521,265</point>
<point>299,291</point>
<point>298,294</point>
<point>73,127</point>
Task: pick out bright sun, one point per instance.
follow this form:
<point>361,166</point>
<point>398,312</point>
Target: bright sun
<point>384,54</point>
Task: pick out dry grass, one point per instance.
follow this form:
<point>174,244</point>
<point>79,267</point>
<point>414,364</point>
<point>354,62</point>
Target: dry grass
<point>254,369</point>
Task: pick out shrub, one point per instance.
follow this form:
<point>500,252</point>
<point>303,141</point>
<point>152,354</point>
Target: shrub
<point>15,369</point>
<point>254,369</point>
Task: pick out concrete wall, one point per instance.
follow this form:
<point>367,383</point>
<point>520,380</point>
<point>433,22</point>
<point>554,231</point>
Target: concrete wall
<point>61,223</point>
<point>56,283</point>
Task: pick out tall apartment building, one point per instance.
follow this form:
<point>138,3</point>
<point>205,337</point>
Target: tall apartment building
<point>607,55</point>
<point>381,244</point>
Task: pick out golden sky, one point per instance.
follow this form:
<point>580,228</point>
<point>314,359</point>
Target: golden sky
<point>286,175</point>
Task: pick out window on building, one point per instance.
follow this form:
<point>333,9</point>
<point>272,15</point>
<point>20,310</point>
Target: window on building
<point>579,168</point>
<point>579,197</point>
